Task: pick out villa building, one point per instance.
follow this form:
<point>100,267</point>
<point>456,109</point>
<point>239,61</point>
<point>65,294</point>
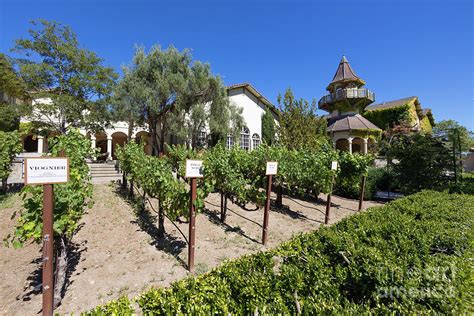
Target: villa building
<point>353,122</point>
<point>244,96</point>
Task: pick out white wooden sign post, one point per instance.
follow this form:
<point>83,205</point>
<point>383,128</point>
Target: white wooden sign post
<point>194,170</point>
<point>271,170</point>
<point>47,171</point>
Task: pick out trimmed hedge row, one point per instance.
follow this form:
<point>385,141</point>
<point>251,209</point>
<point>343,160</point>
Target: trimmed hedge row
<point>409,256</point>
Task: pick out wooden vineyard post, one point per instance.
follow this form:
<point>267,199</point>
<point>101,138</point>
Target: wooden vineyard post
<point>328,201</point>
<point>47,171</point>
<point>266,210</point>
<point>271,170</point>
<point>279,200</point>
<point>48,247</point>
<point>192,225</point>
<point>193,171</point>
<point>223,207</point>
<point>361,194</point>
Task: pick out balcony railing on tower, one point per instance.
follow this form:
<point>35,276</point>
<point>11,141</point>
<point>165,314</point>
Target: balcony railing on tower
<point>349,93</point>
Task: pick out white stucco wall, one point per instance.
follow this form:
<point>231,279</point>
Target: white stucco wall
<point>252,110</point>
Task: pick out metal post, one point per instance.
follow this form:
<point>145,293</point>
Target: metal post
<point>460,154</point>
<point>266,210</point>
<point>48,245</point>
<point>361,194</point>
<point>454,165</point>
<point>192,226</point>
<point>328,202</point>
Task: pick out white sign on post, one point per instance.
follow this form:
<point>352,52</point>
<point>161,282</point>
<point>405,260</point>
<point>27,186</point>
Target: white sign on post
<point>334,165</point>
<point>46,170</point>
<point>194,169</point>
<point>272,168</point>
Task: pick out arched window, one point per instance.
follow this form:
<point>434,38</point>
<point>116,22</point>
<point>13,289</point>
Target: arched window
<point>230,141</point>
<point>245,139</point>
<point>255,141</point>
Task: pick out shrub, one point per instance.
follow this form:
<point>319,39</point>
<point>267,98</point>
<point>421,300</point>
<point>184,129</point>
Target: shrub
<point>352,167</point>
<point>120,307</point>
<point>421,162</point>
<point>410,256</point>
<point>10,146</point>
<point>379,179</point>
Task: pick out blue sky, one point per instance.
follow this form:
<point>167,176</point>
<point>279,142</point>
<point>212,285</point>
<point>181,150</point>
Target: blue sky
<point>400,48</point>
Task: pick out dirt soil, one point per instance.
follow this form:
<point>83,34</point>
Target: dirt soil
<point>117,251</point>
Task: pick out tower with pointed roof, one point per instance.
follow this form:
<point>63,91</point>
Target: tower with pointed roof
<point>346,100</point>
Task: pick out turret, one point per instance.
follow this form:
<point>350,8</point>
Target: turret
<point>346,92</point>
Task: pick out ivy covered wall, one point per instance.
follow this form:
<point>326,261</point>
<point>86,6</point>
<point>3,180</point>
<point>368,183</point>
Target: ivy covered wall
<point>385,118</point>
<point>425,125</point>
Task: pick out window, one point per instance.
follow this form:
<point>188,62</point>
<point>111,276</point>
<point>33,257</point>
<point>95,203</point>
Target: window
<point>230,141</point>
<point>30,144</point>
<point>245,139</point>
<point>255,141</point>
<point>201,140</point>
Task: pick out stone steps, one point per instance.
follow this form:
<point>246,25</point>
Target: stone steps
<point>104,172</point>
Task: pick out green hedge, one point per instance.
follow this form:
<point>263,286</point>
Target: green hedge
<point>408,257</point>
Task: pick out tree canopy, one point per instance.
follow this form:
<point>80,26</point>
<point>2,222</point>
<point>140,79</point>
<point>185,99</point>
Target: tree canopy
<point>72,77</point>
<point>455,134</point>
<point>13,96</point>
<point>300,127</point>
<point>422,162</point>
<point>172,94</point>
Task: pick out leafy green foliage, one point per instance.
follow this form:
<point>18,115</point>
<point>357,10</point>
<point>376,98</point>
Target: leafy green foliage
<point>12,96</point>
<point>155,176</point>
<point>10,146</point>
<point>410,256</point>
<point>240,174</point>
<point>119,307</point>
<point>168,90</point>
<point>380,179</point>
<point>426,125</point>
<point>299,126</point>
<point>457,135</point>
<point>421,162</point>
<point>268,127</point>
<point>389,117</point>
<point>352,168</point>
<point>236,172</point>
<point>303,171</point>
<point>70,199</point>
<point>72,77</point>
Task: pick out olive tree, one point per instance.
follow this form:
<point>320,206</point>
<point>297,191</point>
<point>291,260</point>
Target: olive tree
<point>172,94</point>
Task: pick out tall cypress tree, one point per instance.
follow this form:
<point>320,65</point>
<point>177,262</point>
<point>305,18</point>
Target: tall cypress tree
<point>268,127</point>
